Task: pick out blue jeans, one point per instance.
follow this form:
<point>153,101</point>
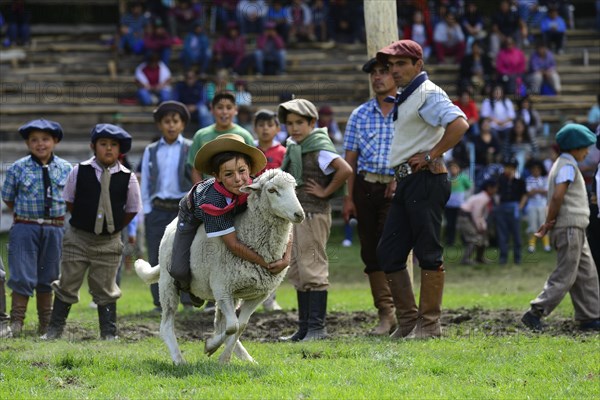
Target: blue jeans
<point>34,254</point>
<point>145,95</point>
<point>508,223</point>
<point>259,59</point>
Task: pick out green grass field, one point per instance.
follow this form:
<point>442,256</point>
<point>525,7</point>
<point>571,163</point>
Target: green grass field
<point>479,363</point>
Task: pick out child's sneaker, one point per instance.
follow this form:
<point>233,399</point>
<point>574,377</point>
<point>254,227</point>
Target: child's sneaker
<point>547,249</point>
<point>347,243</point>
<point>531,249</point>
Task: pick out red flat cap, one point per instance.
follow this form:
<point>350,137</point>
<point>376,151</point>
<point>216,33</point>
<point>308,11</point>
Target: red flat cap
<point>401,48</point>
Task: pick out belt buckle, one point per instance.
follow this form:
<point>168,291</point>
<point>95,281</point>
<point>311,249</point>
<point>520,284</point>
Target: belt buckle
<point>40,221</point>
<point>403,171</point>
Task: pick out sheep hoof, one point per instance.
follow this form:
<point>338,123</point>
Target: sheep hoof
<point>209,349</point>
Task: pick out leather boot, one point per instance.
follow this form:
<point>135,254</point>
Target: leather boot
<point>303,307</point>
<point>480,258</point>
<point>404,302</point>
<point>430,305</point>
<point>17,312</point>
<point>466,260</point>
<point>382,297</point>
<point>5,331</point>
<point>60,312</point>
<point>44,310</point>
<point>107,317</point>
<point>316,316</point>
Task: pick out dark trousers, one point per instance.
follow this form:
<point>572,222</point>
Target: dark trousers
<point>187,225</point>
<point>593,235</point>
<point>508,223</point>
<point>451,214</point>
<point>155,223</point>
<point>371,209</point>
<point>414,222</point>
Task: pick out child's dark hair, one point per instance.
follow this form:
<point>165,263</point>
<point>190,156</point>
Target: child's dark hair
<point>222,95</point>
<point>265,115</point>
<point>221,158</point>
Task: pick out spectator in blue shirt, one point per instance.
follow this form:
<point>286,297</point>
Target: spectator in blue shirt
<point>196,49</point>
<point>553,29</point>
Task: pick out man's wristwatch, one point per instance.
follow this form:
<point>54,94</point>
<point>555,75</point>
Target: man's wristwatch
<point>428,158</point>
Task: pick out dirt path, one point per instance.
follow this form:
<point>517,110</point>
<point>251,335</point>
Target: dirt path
<point>268,327</point>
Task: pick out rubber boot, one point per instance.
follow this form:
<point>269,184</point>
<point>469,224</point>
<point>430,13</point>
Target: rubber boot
<point>5,331</point>
<point>382,297</point>
<point>60,312</point>
<point>466,260</point>
<point>316,316</point>
<point>107,317</point>
<point>404,302</point>
<point>303,304</point>
<point>17,312</point>
<point>480,255</point>
<point>44,310</point>
<point>430,305</point>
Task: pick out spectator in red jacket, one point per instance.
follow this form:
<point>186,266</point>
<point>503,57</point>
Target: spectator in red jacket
<point>157,40</point>
<point>270,51</point>
<point>467,105</point>
<point>229,51</point>
<point>511,65</point>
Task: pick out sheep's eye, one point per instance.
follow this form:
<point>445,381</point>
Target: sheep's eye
<point>272,190</point>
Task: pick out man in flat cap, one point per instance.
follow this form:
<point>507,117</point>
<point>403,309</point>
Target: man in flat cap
<point>426,124</point>
<point>566,221</point>
<point>367,142</point>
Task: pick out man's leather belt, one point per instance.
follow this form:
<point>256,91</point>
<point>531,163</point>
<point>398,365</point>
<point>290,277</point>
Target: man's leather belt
<point>166,204</point>
<point>376,178</point>
<point>58,221</point>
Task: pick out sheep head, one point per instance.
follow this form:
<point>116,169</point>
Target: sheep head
<point>279,189</point>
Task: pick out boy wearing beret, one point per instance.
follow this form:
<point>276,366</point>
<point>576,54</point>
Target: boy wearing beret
<point>311,158</point>
<point>566,222</point>
<point>103,197</point>
<point>33,190</point>
<point>166,178</point>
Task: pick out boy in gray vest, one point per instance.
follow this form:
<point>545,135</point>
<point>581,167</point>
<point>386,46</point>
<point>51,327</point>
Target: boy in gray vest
<point>567,219</point>
<point>166,178</point>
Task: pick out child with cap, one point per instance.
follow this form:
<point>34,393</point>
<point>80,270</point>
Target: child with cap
<point>166,178</point>
<point>320,172</point>
<point>266,126</point>
<point>215,202</point>
<point>33,190</point>
<point>566,221</point>
<point>103,197</point>
<point>224,110</point>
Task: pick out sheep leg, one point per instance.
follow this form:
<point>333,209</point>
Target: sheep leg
<point>227,306</point>
<point>167,322</point>
<point>216,340</point>
<point>246,310</point>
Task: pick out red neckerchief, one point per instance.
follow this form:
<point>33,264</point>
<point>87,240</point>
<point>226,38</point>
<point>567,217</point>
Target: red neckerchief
<point>215,211</point>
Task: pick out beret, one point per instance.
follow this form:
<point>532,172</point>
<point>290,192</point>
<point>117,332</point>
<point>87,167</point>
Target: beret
<point>53,128</point>
<point>369,65</point>
<point>112,132</point>
<point>401,48</point>
<point>297,106</point>
<point>575,136</point>
<point>171,106</point>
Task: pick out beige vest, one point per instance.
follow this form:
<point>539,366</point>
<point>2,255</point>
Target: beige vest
<point>411,133</point>
<point>574,211</point>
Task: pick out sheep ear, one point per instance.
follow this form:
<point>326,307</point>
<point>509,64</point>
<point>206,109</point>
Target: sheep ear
<point>254,186</point>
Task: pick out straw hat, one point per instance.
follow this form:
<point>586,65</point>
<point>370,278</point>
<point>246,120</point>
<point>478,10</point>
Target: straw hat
<point>228,142</point>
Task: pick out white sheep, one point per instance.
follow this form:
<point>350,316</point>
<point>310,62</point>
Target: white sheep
<point>219,275</point>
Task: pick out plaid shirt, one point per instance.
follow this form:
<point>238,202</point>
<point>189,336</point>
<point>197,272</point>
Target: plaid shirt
<point>24,186</point>
<point>370,134</point>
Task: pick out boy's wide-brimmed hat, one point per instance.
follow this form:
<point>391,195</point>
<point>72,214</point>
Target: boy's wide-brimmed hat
<point>401,48</point>
<point>53,128</point>
<point>297,106</point>
<point>228,142</point>
<point>112,132</point>
<point>171,106</point>
<point>575,136</point>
